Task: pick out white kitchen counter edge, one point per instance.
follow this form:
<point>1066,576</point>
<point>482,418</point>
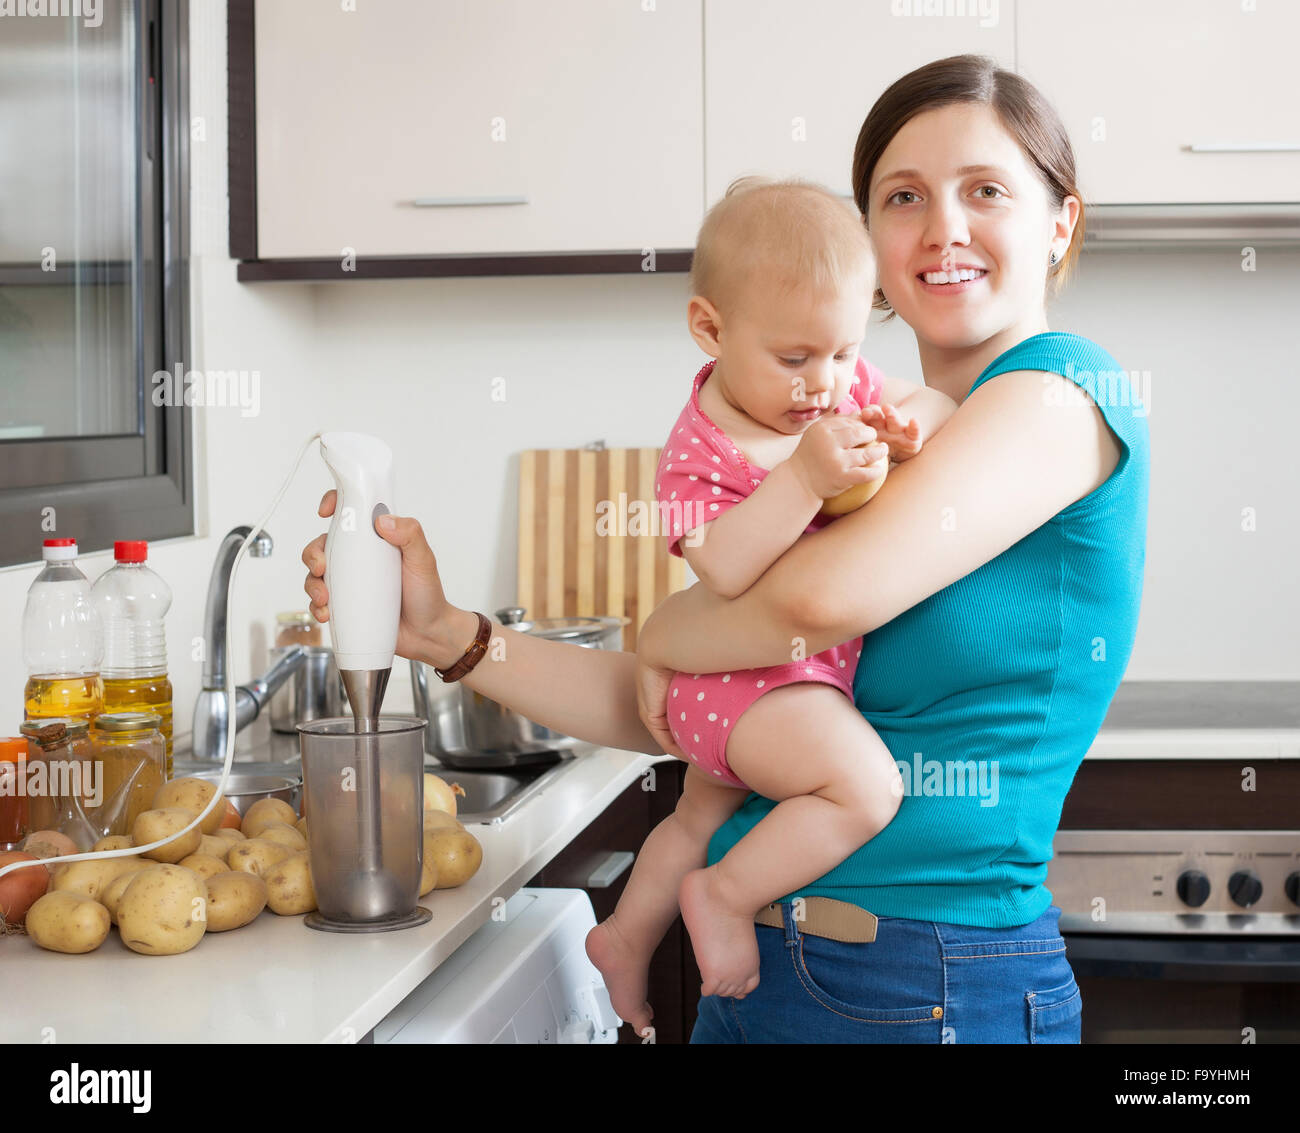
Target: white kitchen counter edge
<point>276,981</point>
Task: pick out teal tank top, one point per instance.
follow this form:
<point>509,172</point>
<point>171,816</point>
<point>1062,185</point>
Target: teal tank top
<point>989,693</point>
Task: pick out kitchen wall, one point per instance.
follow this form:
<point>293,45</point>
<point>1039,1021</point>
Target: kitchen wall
<point>609,357</point>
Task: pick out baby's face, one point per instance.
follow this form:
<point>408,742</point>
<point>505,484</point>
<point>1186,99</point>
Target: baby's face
<point>788,359</point>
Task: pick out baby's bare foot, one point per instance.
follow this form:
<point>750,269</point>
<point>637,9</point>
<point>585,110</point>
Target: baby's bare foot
<point>625,969</point>
<point>726,948</point>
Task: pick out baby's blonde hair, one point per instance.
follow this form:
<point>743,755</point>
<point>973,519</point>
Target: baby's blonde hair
<point>785,233</point>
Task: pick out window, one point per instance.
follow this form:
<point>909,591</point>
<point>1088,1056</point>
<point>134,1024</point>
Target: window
<point>93,274</point>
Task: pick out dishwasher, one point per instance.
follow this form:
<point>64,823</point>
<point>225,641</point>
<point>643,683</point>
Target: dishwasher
<point>523,978</point>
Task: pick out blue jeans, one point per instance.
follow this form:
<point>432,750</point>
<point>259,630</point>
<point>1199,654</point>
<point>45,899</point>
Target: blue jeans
<point>917,982</point>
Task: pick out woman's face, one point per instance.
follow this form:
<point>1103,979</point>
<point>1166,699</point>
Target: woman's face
<point>953,193</point>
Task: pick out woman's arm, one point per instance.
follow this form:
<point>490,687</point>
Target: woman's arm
<point>581,692</point>
<point>1011,458</point>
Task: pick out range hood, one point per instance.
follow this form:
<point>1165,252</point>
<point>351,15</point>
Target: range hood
<point>1132,226</point>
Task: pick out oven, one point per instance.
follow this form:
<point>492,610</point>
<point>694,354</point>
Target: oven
<point>1176,866</point>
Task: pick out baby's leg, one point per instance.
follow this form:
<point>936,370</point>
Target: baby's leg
<point>837,786</point>
<point>622,945</point>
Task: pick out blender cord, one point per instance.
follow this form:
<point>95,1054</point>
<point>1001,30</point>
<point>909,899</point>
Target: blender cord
<point>133,851</point>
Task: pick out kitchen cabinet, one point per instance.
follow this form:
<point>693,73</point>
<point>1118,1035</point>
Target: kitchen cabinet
<point>1171,101</point>
<point>587,862</point>
<point>787,86</point>
<point>412,129</point>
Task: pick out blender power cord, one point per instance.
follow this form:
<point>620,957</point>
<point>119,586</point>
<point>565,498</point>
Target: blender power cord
<point>134,851</point>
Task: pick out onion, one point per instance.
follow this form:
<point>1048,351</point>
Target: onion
<point>21,889</point>
<point>439,795</point>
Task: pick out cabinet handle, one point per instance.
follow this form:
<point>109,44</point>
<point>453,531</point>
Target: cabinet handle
<point>463,202</point>
<point>1244,147</point>
<point>608,869</point>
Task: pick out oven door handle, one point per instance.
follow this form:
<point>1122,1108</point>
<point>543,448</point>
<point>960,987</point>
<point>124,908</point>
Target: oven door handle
<point>1115,956</point>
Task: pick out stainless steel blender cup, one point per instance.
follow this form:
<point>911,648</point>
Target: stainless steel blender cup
<point>364,798</point>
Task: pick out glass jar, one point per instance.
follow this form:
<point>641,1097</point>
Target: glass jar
<point>61,778</point>
<point>131,755</point>
<point>296,628</point>
<point>14,825</point>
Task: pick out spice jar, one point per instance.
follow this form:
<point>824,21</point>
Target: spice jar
<point>13,796</point>
<point>59,777</point>
<point>296,628</point>
<point>132,756</point>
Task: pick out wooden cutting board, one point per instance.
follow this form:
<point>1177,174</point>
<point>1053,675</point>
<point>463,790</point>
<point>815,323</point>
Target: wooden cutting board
<point>589,537</point>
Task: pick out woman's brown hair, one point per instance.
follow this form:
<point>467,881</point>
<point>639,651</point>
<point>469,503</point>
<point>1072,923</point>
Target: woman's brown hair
<point>1025,114</point>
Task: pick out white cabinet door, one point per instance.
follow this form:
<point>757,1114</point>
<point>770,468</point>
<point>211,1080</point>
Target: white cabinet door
<point>1138,84</point>
<point>787,85</point>
<point>426,127</point>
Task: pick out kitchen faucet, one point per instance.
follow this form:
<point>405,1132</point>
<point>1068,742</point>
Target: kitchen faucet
<point>210,716</point>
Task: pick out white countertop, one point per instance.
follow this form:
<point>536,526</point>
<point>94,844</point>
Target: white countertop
<point>277,981</point>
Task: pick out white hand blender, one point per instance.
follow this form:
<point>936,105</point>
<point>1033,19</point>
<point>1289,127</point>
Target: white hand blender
<point>364,576</point>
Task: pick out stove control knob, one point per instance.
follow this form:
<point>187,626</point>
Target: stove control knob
<point>1193,888</point>
<point>1244,888</point>
<point>1292,885</point>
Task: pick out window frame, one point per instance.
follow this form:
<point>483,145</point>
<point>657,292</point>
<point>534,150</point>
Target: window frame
<point>138,485</point>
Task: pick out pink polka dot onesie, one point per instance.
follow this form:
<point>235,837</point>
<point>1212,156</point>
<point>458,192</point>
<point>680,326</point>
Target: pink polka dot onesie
<point>701,474</point>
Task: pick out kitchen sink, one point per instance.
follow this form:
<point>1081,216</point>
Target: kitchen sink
<point>491,796</point>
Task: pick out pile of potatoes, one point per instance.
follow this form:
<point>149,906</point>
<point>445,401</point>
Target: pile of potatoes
<point>216,877</point>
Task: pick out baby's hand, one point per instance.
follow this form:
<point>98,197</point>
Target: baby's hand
<point>903,436</point>
<point>834,454</point>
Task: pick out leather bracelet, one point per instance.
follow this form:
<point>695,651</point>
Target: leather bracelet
<point>472,656</point>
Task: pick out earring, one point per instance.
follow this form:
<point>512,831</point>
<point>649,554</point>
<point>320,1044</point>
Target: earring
<point>1052,259</point>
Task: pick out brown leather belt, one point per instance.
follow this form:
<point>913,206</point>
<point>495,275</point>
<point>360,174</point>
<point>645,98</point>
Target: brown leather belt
<point>824,916</point>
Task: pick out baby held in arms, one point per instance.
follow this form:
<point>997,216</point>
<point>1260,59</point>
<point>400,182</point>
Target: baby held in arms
<point>769,446</point>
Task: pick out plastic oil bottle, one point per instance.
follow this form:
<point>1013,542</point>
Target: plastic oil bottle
<point>62,639</point>
<point>131,601</point>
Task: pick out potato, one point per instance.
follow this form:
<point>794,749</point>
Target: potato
<point>113,894</point>
<point>234,899</point>
<point>113,842</point>
<point>456,855</point>
<point>301,826</point>
<point>231,834</point>
<point>192,795</point>
<point>163,911</point>
<point>289,889</point>
<point>285,835</point>
<point>213,846</point>
<point>428,868</point>
<point>264,812</point>
<point>68,922</point>
<point>205,865</point>
<point>441,820</point>
<point>90,879</point>
<point>256,856</point>
<point>154,824</point>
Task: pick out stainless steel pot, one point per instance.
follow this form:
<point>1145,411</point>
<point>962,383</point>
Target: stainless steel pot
<point>314,692</point>
<point>469,730</point>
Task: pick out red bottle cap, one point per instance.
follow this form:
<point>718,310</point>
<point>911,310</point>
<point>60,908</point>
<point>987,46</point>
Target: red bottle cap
<point>59,543</point>
<point>130,550</point>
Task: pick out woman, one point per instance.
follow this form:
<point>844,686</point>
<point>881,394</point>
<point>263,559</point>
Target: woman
<point>997,577</point>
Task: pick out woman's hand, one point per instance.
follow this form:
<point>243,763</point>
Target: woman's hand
<point>652,705</point>
<point>426,631</point>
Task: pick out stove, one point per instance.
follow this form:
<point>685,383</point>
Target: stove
<point>1177,865</point>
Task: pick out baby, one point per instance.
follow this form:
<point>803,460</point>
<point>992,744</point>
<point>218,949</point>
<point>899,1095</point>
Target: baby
<point>782,283</point>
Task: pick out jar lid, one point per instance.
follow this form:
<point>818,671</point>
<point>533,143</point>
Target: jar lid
<point>294,618</point>
<point>13,749</point>
<point>76,727</point>
<point>127,721</point>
